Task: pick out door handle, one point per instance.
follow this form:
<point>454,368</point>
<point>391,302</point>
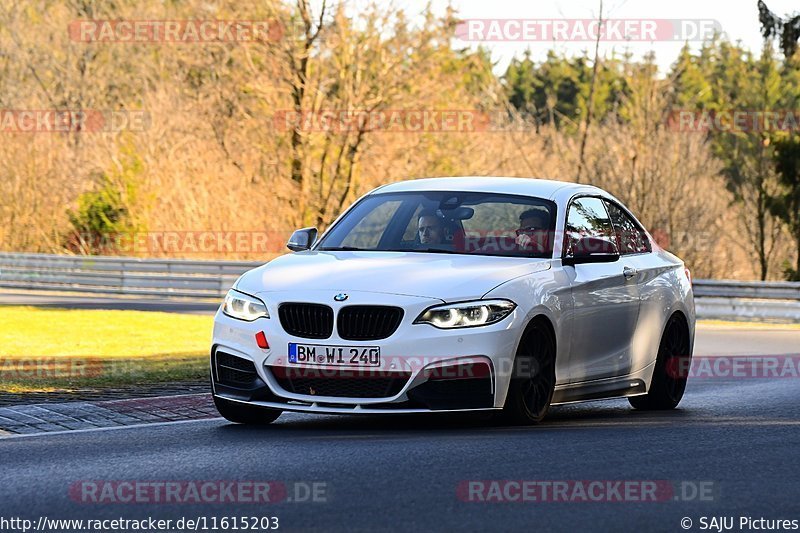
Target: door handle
<point>628,272</point>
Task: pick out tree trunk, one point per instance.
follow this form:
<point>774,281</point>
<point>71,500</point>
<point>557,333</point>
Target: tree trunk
<point>797,265</point>
<point>762,254</point>
<point>590,105</point>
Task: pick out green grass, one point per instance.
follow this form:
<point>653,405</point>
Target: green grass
<point>64,349</point>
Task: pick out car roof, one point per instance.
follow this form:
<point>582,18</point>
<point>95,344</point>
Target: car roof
<point>542,188</point>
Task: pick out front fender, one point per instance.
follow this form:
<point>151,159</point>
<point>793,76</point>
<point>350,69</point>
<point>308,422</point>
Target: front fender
<point>545,293</point>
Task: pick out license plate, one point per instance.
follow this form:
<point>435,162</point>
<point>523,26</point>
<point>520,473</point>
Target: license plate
<point>321,354</point>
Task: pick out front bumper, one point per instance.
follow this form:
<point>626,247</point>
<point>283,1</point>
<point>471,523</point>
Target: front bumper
<point>421,356</point>
<point>335,409</point>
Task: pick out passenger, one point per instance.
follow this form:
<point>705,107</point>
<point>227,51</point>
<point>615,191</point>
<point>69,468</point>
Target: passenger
<point>533,228</point>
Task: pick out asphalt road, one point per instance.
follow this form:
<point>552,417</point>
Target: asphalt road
<point>736,439</point>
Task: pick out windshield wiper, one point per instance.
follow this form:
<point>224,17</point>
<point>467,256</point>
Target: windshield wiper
<point>422,250</point>
<point>341,249</point>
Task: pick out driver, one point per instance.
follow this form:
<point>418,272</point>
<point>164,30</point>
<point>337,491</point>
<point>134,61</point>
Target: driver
<point>430,228</point>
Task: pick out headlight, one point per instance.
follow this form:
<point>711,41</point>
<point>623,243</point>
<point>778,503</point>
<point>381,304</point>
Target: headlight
<point>244,307</point>
<point>466,314</point>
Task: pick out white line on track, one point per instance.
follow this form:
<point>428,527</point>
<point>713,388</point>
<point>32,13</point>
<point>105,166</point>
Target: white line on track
<point>91,430</point>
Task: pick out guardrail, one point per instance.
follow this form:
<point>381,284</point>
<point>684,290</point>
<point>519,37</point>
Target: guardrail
<point>120,275</point>
<point>182,278</point>
<point>767,290</point>
<point>747,300</point>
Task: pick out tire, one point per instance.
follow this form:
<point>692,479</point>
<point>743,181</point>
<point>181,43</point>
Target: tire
<point>534,377</point>
<point>670,374</point>
<point>240,413</point>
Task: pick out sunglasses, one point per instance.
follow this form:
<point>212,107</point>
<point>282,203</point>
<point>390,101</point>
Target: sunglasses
<point>526,231</point>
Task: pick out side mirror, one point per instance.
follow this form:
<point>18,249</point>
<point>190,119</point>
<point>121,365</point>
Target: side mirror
<point>302,239</point>
<point>592,250</point>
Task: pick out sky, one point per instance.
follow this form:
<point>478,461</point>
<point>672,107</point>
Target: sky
<point>738,19</point>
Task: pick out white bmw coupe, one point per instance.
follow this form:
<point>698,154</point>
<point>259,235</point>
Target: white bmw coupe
<point>458,294</point>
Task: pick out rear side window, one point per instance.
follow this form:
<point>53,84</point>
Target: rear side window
<point>630,238</point>
<point>587,217</point>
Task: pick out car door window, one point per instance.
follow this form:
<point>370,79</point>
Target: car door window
<point>587,217</point>
<point>630,238</point>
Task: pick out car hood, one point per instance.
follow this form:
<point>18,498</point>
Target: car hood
<point>443,276</point>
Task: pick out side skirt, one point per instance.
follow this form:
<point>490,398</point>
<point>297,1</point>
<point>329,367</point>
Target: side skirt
<point>599,390</point>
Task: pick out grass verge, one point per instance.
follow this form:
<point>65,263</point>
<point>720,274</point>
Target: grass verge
<point>749,325</point>
<point>43,350</point>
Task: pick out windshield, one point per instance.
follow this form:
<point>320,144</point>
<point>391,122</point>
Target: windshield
<point>447,222</point>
